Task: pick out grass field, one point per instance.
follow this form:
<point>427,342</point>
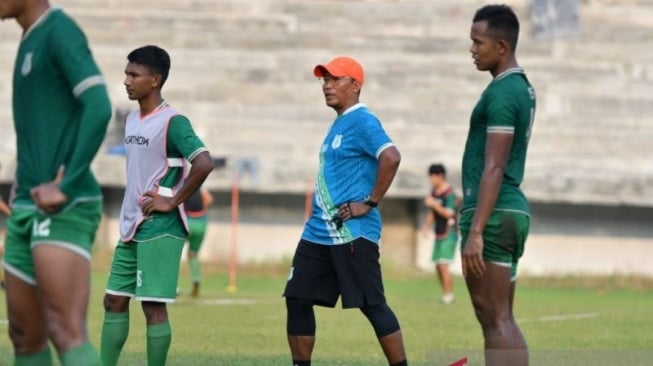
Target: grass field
<point>572,321</point>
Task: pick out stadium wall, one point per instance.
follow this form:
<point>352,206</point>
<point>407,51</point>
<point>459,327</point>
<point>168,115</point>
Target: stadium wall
<point>565,239</point>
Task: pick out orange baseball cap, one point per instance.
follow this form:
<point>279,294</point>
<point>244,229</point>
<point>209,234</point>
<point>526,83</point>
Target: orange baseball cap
<point>341,66</point>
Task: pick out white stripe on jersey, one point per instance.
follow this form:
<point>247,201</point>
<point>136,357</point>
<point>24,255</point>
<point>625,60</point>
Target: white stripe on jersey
<point>501,129</point>
<point>86,84</point>
<point>197,152</point>
<point>165,192</point>
<point>175,162</point>
<point>383,147</point>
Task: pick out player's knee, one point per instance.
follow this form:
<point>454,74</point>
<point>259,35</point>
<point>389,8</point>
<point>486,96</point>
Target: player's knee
<point>155,312</point>
<point>301,317</point>
<point>26,342</point>
<point>382,318</point>
<point>483,311</point>
<point>490,316</point>
<point>115,304</point>
<point>65,330</point>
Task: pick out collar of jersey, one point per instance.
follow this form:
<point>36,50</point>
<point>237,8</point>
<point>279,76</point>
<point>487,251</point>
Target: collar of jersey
<point>513,70</point>
<point>353,108</point>
<point>40,20</point>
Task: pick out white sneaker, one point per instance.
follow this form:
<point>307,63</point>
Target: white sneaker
<point>447,299</point>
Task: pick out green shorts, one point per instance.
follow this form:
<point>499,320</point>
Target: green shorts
<point>147,270</point>
<point>197,230</point>
<point>73,229</point>
<point>444,249</point>
<point>504,237</point>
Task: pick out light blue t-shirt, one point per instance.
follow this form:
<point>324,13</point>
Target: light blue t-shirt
<point>347,173</point>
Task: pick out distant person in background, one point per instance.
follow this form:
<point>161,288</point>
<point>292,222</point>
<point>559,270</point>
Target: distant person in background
<point>338,254</point>
<point>196,207</point>
<point>61,110</point>
<point>495,216</point>
<point>158,143</point>
<point>442,204</point>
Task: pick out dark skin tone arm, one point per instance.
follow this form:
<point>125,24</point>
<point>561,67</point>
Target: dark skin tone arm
<point>388,164</point>
<point>47,196</point>
<point>497,150</point>
<point>443,211</point>
<point>201,166</point>
<point>4,208</point>
<point>207,198</point>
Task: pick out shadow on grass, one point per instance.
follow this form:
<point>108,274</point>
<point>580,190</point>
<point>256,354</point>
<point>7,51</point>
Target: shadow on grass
<point>178,359</point>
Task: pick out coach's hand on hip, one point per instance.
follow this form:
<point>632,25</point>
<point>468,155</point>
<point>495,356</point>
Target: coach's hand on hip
<point>350,210</point>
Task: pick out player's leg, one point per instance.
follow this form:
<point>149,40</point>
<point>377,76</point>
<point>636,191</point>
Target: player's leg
<point>311,281</point>
<point>436,259</point>
<point>2,277</point>
<point>491,293</point>
<point>63,278</point>
<point>361,286</point>
<point>27,329</point>
<point>522,227</point>
<point>121,287</point>
<point>158,273</point>
<point>61,250</point>
<point>446,250</point>
<point>386,327</point>
<point>158,332</point>
<point>490,298</point>
<point>446,281</point>
<point>26,324</point>
<point>197,228</point>
<point>300,328</point>
<point>517,335</point>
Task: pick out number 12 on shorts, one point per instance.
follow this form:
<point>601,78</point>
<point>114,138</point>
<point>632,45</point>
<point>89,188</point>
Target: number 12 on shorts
<point>41,229</point>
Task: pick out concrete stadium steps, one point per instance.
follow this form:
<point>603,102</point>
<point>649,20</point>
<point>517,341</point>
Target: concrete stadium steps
<point>446,19</point>
<point>242,71</point>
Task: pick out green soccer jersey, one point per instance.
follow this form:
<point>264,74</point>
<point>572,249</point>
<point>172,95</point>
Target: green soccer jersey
<point>506,106</point>
<point>54,71</point>
<point>182,142</point>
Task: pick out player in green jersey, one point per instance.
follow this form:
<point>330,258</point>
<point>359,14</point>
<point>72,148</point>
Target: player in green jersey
<point>441,219</point>
<point>158,143</point>
<point>196,207</point>
<point>495,215</point>
<point>61,110</point>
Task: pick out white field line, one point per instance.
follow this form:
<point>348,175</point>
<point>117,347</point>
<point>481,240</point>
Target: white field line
<point>559,317</point>
<point>225,302</point>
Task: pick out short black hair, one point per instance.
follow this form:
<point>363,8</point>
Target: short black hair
<point>154,58</point>
<point>437,169</point>
<point>501,22</point>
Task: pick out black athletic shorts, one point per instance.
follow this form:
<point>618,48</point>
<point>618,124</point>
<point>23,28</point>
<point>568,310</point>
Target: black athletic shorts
<point>323,272</point>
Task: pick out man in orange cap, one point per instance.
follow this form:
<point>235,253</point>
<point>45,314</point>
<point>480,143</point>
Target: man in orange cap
<point>338,253</point>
